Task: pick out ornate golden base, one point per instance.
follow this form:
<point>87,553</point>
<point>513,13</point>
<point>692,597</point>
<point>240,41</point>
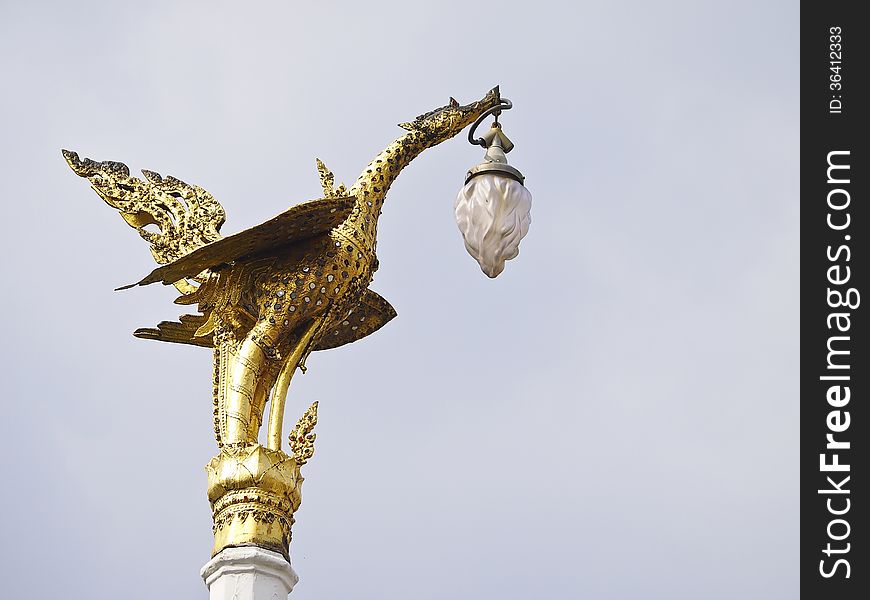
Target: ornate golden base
<point>254,492</point>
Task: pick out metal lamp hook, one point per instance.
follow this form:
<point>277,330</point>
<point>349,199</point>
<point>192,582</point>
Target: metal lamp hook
<point>504,104</point>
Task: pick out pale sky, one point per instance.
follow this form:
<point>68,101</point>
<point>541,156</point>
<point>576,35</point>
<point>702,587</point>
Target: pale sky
<point>615,417</point>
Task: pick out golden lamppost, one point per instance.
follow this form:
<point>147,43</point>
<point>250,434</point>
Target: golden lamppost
<point>267,297</point>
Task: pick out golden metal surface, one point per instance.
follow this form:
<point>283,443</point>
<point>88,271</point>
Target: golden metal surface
<point>302,437</point>
<point>266,298</point>
<point>279,392</point>
<point>254,492</point>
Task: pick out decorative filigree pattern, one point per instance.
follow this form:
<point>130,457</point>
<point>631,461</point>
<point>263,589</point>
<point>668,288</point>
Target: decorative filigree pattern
<point>327,180</point>
<point>186,216</point>
<point>302,437</point>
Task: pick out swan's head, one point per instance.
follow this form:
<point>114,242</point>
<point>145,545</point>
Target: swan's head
<point>443,123</point>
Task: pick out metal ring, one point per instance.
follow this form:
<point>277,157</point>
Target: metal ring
<point>504,104</point>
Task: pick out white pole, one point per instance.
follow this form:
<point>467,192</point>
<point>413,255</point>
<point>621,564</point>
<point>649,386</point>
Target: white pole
<point>248,573</point>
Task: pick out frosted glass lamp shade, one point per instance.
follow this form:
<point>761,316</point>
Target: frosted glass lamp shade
<point>493,213</point>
